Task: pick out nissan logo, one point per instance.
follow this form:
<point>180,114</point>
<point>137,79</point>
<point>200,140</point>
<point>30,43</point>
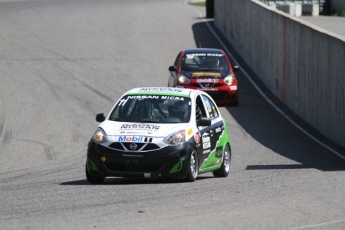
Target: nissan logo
<point>133,146</point>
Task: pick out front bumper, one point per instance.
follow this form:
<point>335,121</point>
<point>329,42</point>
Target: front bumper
<point>168,162</point>
<point>221,95</point>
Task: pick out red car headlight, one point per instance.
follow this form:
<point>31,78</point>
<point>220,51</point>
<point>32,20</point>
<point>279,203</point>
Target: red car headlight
<point>182,79</point>
<point>229,79</point>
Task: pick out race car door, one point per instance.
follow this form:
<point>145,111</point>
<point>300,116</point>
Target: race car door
<point>215,153</point>
<point>204,132</point>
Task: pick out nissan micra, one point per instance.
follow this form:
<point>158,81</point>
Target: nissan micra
<point>155,132</point>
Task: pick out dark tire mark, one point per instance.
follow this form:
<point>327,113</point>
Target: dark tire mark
<point>48,150</point>
<point>52,89</point>
<point>7,137</point>
<point>1,126</point>
<point>98,92</point>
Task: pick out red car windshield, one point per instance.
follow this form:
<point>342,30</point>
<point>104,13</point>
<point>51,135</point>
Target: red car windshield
<point>204,62</point>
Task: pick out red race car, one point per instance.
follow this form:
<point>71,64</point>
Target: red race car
<point>208,70</point>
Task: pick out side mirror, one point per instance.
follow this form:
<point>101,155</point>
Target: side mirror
<point>100,117</point>
<point>235,68</point>
<point>204,121</point>
<point>172,68</point>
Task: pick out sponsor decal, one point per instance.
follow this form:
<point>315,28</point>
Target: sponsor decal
<point>219,152</point>
<point>206,145</point>
<point>131,155</point>
<point>156,90</point>
<point>206,151</point>
<point>218,129</point>
<point>197,138</point>
<point>131,161</point>
<point>207,80</point>
<point>134,139</point>
<point>214,109</point>
<point>205,74</point>
<point>191,56</point>
<point>172,98</point>
<point>233,87</point>
<point>141,127</point>
<point>206,141</point>
<point>133,132</point>
<point>103,158</point>
<point>190,131</point>
<point>143,97</point>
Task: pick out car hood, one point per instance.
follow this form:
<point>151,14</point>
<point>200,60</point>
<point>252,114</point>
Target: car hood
<point>115,128</point>
<point>205,74</point>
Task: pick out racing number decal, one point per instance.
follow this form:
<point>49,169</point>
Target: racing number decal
<point>206,143</point>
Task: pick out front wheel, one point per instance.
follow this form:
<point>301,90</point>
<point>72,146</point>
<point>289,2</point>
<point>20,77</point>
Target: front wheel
<point>193,167</point>
<point>93,179</point>
<point>234,102</point>
<point>225,168</point>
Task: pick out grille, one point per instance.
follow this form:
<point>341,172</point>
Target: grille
<point>150,146</point>
<point>206,85</point>
<point>141,168</point>
<point>126,146</point>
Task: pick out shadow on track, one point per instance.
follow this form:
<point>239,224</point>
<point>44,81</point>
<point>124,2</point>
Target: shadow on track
<point>131,181</point>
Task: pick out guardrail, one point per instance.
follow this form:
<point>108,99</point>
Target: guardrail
<point>301,64</point>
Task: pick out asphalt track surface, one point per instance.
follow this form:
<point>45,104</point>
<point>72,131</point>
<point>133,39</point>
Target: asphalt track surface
<point>63,61</point>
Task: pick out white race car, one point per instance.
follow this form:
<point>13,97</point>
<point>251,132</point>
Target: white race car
<point>160,133</point>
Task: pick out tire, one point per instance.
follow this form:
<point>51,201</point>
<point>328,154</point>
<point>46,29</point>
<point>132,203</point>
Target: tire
<point>234,103</point>
<point>93,179</point>
<point>225,168</point>
<point>193,167</point>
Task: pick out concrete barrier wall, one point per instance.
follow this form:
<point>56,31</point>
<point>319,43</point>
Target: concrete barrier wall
<point>303,65</point>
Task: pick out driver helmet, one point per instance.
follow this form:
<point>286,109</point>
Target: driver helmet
<point>180,110</point>
<point>213,62</point>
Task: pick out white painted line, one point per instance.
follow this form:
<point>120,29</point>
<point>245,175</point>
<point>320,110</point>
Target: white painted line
<point>263,94</point>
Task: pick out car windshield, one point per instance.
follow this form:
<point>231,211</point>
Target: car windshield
<point>152,109</point>
<point>204,62</point>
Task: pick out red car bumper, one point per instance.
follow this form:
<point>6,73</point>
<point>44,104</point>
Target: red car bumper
<point>222,95</point>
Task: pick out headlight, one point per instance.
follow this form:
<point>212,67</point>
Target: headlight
<point>183,79</point>
<point>99,136</point>
<point>229,80</point>
<point>175,138</point>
